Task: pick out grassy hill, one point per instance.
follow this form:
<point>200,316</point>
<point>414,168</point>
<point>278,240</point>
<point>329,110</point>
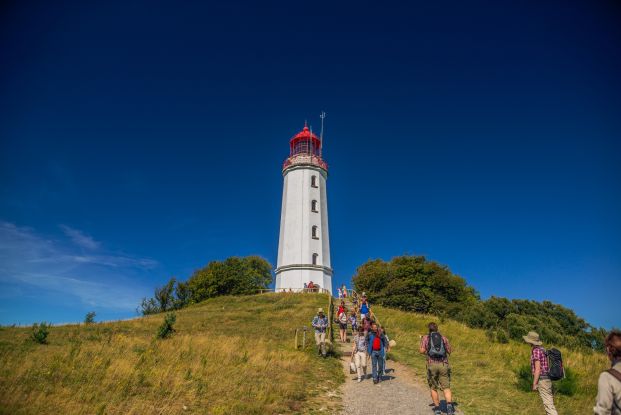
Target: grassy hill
<point>230,355</point>
<point>484,379</point>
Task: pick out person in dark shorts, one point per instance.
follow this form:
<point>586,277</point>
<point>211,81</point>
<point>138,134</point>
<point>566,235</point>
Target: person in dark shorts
<point>342,319</point>
<point>437,349</point>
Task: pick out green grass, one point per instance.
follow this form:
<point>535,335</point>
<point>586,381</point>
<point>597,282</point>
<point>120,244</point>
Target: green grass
<point>229,355</point>
<point>484,375</point>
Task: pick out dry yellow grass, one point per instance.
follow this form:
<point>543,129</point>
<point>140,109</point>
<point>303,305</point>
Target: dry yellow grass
<point>230,355</point>
<point>484,380</point>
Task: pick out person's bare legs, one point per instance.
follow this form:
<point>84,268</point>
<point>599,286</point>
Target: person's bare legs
<point>448,395</point>
<point>435,398</point>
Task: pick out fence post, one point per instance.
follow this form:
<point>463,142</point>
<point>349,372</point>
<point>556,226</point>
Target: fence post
<point>296,339</point>
<point>304,339</point>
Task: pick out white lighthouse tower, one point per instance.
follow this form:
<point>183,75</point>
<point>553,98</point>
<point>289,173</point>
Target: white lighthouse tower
<point>304,244</point>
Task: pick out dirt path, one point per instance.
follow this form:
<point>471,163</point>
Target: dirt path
<point>400,392</point>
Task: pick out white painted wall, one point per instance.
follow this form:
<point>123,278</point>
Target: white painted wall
<point>296,245</point>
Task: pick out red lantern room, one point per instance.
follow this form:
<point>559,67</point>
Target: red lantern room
<point>304,142</point>
<point>305,149</point>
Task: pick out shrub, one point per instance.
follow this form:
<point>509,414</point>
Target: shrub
<point>90,317</point>
<point>569,385</point>
<point>502,336</point>
<point>167,329</point>
<point>524,378</point>
<point>40,332</point>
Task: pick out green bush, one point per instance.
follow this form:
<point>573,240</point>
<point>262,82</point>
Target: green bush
<point>40,332</point>
<point>90,317</point>
<point>167,329</point>
<point>524,378</point>
<point>569,385</point>
<point>502,336</point>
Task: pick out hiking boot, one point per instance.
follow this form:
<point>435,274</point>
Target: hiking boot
<point>359,380</point>
<point>437,411</point>
<point>375,381</point>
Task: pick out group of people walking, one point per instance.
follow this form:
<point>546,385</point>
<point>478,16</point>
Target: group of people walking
<point>370,343</point>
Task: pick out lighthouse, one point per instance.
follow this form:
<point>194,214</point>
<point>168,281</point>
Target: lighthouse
<point>304,243</point>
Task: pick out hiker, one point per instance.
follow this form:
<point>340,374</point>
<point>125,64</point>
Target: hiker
<point>320,323</point>
<point>353,321</point>
<point>437,349</point>
<point>305,287</point>
<point>359,353</point>
<point>365,308</point>
<point>342,318</point>
<point>375,348</point>
<point>344,290</point>
<point>540,368</point>
<point>354,300</point>
<point>609,384</point>
<point>340,292</point>
<point>341,309</point>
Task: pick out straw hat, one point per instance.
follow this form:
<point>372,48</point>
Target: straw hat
<point>319,310</point>
<point>532,338</point>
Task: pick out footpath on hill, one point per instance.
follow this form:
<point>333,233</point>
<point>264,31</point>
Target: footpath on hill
<point>400,392</point>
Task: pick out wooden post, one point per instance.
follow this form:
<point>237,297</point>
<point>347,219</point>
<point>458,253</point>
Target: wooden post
<point>304,339</point>
<point>296,339</point>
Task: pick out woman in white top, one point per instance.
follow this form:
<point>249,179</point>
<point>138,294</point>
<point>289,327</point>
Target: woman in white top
<point>359,352</point>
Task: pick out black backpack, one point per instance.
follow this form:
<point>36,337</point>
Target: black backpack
<point>435,346</point>
<point>555,362</point>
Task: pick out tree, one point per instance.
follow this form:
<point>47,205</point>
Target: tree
<point>413,283</point>
<point>182,295</point>
<point>233,276</point>
<point>164,296</point>
<point>90,317</point>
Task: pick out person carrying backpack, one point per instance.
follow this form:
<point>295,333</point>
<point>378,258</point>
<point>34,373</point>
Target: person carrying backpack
<point>437,349</point>
<point>376,345</point>
<point>608,399</point>
<point>320,324</point>
<point>540,368</point>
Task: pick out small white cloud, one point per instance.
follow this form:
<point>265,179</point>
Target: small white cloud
<point>80,238</point>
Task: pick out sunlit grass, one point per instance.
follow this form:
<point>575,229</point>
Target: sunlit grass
<point>484,377</point>
<point>230,355</point>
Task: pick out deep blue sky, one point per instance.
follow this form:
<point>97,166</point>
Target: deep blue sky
<point>141,139</point>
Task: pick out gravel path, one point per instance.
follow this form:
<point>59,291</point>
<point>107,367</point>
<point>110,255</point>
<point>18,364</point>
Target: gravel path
<point>398,393</point>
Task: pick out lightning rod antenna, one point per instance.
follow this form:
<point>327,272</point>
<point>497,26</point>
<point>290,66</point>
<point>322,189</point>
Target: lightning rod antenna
<point>322,116</point>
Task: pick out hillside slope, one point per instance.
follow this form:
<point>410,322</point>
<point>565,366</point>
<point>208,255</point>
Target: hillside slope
<point>483,373</point>
<point>229,355</point>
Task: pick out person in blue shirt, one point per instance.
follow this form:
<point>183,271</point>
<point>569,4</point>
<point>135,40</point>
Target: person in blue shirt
<point>365,308</point>
<point>376,345</point>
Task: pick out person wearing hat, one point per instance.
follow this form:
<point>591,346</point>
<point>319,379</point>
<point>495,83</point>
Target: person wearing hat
<point>540,367</point>
<point>320,324</point>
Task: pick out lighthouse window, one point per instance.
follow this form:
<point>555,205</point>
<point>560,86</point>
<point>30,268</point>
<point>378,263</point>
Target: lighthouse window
<point>315,232</point>
<point>313,181</point>
<point>315,256</point>
<point>314,206</point>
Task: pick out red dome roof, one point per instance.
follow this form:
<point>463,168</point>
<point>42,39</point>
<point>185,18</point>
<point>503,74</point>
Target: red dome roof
<point>305,135</point>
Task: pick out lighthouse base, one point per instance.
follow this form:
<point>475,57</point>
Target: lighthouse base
<point>293,277</point>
